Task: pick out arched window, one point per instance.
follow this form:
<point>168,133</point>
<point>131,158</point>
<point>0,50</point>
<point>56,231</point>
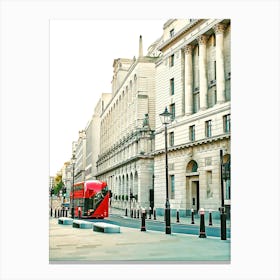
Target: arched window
<point>192,166</point>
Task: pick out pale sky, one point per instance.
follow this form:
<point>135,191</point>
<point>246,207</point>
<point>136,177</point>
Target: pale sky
<point>81,59</point>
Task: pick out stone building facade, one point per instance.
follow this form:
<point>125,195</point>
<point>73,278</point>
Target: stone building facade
<point>193,77</point>
<point>80,154</point>
<point>93,137</point>
<point>126,135</point>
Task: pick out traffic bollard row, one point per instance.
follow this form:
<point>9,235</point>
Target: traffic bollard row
<point>56,213</point>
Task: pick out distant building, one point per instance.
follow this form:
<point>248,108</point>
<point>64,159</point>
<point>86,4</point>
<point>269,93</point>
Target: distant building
<point>93,137</point>
<point>51,183</point>
<point>80,155</point>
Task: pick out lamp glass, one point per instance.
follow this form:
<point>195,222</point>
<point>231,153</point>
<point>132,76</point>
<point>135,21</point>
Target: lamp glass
<point>165,117</point>
<point>73,159</point>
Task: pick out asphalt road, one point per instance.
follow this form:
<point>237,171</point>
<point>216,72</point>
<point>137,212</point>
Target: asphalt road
<point>160,226</point>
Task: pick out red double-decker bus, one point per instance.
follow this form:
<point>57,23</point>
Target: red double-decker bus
<point>90,199</point>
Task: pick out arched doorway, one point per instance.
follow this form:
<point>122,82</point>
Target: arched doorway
<point>192,186</point>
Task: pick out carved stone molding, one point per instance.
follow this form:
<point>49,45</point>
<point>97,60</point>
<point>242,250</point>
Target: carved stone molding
<point>202,39</point>
<point>188,49</point>
<point>219,28</point>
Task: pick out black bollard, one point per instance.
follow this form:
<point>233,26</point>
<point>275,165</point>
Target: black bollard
<point>192,217</point>
<point>55,213</point>
<point>58,213</point>
<point>131,213</point>
<point>210,218</point>
<point>202,224</point>
<point>150,213</point>
<point>155,214</point>
<point>223,224</point>
<point>178,217</point>
<point>51,212</point>
<point>134,213</point>
<point>138,213</point>
<point>66,213</point>
<point>126,212</point>
<point>143,217</point>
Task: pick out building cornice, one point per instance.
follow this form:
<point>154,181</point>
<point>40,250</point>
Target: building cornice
<point>182,120</point>
<point>135,136</point>
<point>192,144</point>
<point>179,34</point>
<point>123,163</point>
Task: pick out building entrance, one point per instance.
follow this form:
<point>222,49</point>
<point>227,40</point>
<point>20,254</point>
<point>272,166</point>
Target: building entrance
<point>195,195</point>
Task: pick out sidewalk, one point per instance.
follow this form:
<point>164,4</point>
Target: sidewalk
<point>182,220</point>
<point>74,245</point>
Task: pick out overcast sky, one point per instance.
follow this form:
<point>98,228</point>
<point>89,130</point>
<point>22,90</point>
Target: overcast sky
<point>81,59</point>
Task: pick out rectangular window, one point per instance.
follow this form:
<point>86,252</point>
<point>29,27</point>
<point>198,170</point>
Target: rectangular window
<point>208,128</point>
<point>172,186</point>
<point>215,97</point>
<point>172,86</point>
<point>172,111</point>
<point>171,139</point>
<point>215,70</point>
<point>226,120</point>
<point>171,60</point>
<point>192,133</point>
<point>171,33</point>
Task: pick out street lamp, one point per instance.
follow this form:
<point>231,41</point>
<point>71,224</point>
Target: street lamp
<point>73,165</point>
<point>165,118</point>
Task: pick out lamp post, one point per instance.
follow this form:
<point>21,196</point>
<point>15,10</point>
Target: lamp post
<point>165,118</point>
<point>73,165</point>
<point>222,208</point>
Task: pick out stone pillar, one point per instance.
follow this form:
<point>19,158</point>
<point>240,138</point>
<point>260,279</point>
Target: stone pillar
<point>202,40</point>
<point>188,80</point>
<point>220,72</point>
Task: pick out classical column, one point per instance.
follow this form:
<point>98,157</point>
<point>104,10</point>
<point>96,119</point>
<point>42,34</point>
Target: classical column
<point>202,40</point>
<point>188,80</point>
<point>220,72</point>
